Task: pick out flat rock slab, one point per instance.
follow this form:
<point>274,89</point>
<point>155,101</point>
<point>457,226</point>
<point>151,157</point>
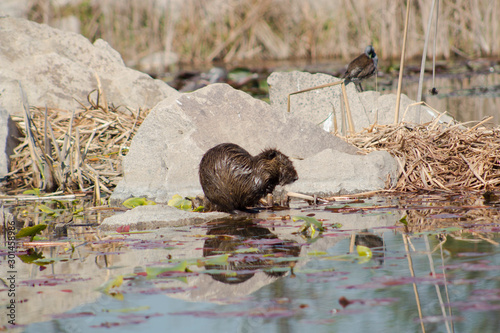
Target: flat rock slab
<point>58,68</point>
<point>166,151</point>
<point>158,216</point>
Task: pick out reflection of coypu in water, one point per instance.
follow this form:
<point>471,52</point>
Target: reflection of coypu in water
<point>232,179</point>
<point>245,235</point>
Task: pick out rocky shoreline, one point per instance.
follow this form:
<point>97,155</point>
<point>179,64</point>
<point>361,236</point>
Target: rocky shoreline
<point>59,69</point>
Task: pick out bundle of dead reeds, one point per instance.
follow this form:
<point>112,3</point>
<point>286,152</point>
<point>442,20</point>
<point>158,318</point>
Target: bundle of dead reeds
<point>72,151</point>
<point>436,157</point>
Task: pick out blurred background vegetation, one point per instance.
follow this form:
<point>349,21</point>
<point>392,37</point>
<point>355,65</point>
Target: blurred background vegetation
<point>200,32</point>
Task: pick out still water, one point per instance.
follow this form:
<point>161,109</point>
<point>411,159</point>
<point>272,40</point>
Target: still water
<point>386,264</point>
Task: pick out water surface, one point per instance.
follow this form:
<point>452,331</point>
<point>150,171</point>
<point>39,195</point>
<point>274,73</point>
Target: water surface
<point>439,254</point>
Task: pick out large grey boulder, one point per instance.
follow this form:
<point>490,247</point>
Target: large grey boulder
<point>320,106</point>
<point>165,153</point>
<point>58,68</point>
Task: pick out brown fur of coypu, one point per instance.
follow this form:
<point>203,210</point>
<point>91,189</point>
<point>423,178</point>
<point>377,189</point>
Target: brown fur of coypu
<point>232,179</point>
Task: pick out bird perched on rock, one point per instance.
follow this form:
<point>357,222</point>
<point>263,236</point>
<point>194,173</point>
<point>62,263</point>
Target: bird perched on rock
<point>362,67</point>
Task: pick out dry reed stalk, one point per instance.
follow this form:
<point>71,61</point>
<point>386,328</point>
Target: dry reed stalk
<point>406,240</point>
<point>401,66</point>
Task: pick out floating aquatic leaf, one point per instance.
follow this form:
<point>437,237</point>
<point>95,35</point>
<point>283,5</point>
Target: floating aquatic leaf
<point>199,209</point>
<point>247,250</point>
<point>310,227</point>
<point>31,256</point>
<point>403,220</point>
<point>448,230</point>
<point>35,191</point>
<point>109,285</point>
<point>153,272</point>
<point>31,231</point>
<point>227,273</point>
<point>217,260</point>
<point>365,253</point>
<point>281,259</point>
<point>180,203</point>
<point>47,210</point>
<point>317,253</point>
<point>134,202</point>
<point>46,261</point>
<point>78,211</point>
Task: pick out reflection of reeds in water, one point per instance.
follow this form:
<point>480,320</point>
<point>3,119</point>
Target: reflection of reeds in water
<point>72,151</point>
<point>473,214</point>
<point>232,30</point>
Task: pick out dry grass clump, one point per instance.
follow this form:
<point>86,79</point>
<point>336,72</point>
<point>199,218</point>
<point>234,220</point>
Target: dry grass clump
<point>77,151</point>
<point>436,157</point>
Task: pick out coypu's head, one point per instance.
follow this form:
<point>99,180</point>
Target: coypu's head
<point>278,165</point>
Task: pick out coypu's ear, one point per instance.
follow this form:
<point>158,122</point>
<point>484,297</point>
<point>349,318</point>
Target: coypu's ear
<point>269,154</point>
<point>272,154</point>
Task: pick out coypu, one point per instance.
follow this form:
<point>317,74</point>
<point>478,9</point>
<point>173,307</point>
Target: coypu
<point>232,179</point>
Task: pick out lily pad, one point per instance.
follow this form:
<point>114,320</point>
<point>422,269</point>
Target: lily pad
<point>180,203</point>
<point>310,223</point>
<point>365,253</point>
<point>35,191</point>
<point>31,231</point>
<point>134,202</point>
